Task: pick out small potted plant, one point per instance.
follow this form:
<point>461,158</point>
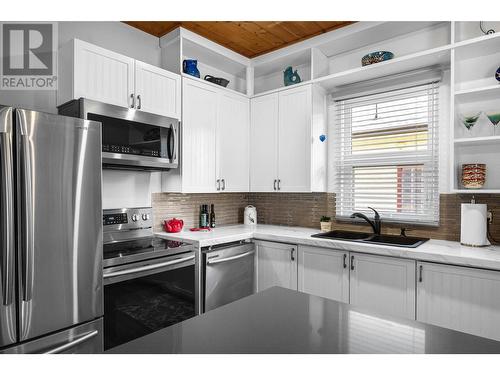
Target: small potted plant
<point>326,223</point>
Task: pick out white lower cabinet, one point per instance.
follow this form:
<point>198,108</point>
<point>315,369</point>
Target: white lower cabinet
<point>276,265</point>
<point>460,298</point>
<point>383,284</point>
<point>324,272</point>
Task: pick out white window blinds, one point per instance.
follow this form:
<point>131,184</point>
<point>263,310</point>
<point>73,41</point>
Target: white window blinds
<point>387,154</point>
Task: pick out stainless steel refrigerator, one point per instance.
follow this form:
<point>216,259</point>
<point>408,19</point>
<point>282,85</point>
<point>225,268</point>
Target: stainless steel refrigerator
<point>50,233</point>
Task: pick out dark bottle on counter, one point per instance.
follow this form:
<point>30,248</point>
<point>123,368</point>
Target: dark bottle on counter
<point>204,216</point>
<point>212,216</point>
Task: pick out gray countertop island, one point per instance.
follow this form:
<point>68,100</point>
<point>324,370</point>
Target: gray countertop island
<point>280,320</point>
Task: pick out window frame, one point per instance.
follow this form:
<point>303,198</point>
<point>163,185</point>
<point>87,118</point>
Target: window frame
<point>428,157</point>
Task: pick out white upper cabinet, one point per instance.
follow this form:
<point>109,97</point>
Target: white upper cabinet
<point>198,162</point>
<point>460,298</point>
<point>383,284</point>
<point>294,146</point>
<point>233,142</point>
<point>286,151</point>
<point>157,90</point>
<point>276,265</point>
<point>324,273</point>
<point>214,141</point>
<point>264,142</point>
<point>91,72</point>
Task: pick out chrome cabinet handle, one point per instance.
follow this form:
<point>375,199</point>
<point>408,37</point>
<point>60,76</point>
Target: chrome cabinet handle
<point>27,219</point>
<point>274,185</point>
<point>223,184</point>
<point>345,260</point>
<point>132,96</point>
<point>73,343</point>
<point>352,262</point>
<point>147,268</point>
<point>222,260</point>
<point>139,102</point>
<point>279,184</point>
<point>7,194</point>
<point>292,254</point>
<point>420,277</point>
<point>218,184</point>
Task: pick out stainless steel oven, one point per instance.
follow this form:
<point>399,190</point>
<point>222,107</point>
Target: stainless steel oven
<point>149,282</point>
<point>131,139</point>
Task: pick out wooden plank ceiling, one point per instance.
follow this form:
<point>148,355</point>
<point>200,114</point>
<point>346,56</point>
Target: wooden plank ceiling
<point>248,38</point>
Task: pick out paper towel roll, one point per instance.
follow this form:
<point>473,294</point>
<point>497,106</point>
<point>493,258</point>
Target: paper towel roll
<point>473,229</point>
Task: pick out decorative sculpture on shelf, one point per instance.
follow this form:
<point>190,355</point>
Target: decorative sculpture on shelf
<point>290,77</point>
<point>487,32</point>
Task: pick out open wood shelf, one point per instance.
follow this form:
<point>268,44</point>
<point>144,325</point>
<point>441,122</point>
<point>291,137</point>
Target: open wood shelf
<point>476,191</point>
<point>479,93</point>
<point>478,140</point>
<point>423,59</point>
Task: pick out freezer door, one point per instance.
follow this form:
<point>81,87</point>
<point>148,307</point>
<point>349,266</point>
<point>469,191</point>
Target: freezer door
<point>83,339</point>
<point>7,231</point>
<point>229,274</point>
<point>59,222</point>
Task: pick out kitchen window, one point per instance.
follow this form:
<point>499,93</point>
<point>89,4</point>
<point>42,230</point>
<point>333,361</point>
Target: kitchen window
<point>387,154</point>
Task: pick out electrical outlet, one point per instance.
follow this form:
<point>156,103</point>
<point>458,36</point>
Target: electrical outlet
<point>490,217</point>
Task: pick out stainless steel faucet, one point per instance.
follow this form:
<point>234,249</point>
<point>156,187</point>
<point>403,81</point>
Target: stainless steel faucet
<point>376,223</point>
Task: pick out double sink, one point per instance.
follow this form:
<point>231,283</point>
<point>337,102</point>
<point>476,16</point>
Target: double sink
<point>378,239</point>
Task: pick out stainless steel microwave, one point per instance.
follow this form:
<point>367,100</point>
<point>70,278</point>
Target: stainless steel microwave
<point>131,139</point>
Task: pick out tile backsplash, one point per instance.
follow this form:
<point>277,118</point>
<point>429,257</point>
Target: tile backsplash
<point>229,207</point>
<point>305,209</point>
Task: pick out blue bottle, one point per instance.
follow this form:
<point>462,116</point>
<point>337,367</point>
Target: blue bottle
<point>189,66</point>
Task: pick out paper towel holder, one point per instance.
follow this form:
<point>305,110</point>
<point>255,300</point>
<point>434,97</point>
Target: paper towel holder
<point>474,224</point>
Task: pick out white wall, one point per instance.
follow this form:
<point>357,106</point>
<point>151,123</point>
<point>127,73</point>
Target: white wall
<point>128,188</point>
<point>120,188</point>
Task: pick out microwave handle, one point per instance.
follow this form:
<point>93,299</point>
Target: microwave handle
<point>173,133</point>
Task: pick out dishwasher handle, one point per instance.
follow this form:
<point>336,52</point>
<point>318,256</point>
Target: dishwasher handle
<point>234,257</point>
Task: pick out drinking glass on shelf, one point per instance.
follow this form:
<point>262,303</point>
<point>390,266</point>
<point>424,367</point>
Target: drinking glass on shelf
<point>469,120</point>
<point>494,118</point>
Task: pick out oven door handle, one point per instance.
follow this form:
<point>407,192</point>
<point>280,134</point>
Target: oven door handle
<point>148,267</point>
<point>228,259</point>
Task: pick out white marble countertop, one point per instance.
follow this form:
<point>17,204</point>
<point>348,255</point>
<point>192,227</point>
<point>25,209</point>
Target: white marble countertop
<point>439,251</point>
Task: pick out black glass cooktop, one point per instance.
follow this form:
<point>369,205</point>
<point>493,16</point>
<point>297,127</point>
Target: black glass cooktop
<point>140,249</point>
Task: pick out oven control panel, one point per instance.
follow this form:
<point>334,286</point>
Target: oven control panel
<point>127,219</point>
<point>112,219</point>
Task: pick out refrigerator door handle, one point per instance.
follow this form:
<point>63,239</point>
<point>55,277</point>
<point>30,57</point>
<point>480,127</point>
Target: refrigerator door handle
<point>26,204</point>
<point>7,221</point>
<point>73,343</point>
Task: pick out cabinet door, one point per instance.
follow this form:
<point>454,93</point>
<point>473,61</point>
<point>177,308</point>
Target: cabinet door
<point>157,90</point>
<point>233,142</point>
<point>464,299</point>
<point>276,265</point>
<point>294,160</point>
<point>383,284</point>
<point>199,112</point>
<point>102,75</point>
<point>324,273</point>
<point>264,143</point>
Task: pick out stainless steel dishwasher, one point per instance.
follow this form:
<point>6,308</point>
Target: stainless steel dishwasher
<point>228,273</point>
